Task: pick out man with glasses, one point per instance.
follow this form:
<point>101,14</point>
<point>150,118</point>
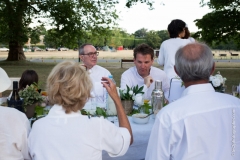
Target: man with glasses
<point>88,55</point>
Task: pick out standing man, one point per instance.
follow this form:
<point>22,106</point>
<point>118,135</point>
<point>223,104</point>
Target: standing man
<point>14,128</point>
<point>143,73</point>
<point>88,54</point>
<point>202,124</point>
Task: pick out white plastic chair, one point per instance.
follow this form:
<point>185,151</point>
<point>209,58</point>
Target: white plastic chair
<point>176,89</point>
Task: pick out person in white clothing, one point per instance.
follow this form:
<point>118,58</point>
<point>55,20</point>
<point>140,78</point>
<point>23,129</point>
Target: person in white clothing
<point>202,124</point>
<point>88,55</point>
<point>168,48</point>
<point>66,134</point>
<point>14,128</point>
<point>143,73</point>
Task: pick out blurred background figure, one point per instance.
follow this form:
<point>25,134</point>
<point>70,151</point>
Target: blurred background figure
<point>28,77</point>
<point>67,134</point>
<point>168,48</point>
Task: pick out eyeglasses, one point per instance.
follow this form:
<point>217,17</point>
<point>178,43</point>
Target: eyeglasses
<point>92,54</point>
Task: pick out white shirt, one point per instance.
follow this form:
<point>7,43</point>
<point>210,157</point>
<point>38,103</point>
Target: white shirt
<point>167,53</point>
<point>131,78</point>
<point>98,92</point>
<point>201,125</point>
<point>61,136</point>
<point>14,129</point>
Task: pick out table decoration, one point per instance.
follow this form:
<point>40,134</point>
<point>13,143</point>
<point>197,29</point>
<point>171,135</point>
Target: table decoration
<point>218,82</point>
<point>31,98</point>
<point>128,96</point>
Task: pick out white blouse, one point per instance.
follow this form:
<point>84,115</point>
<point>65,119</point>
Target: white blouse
<point>74,136</point>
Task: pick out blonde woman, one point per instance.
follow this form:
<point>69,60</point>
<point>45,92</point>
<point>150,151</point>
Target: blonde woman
<point>64,133</point>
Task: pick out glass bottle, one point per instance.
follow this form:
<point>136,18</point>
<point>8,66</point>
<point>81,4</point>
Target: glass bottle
<point>15,95</point>
<point>15,100</point>
<point>109,101</point>
<point>157,97</point>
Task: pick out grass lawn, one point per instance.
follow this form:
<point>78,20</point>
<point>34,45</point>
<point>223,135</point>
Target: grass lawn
<point>14,69</point>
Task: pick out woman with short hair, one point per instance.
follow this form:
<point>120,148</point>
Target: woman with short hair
<point>168,48</point>
<point>65,133</point>
<point>28,77</point>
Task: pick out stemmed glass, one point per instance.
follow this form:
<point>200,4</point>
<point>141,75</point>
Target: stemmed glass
<point>234,90</point>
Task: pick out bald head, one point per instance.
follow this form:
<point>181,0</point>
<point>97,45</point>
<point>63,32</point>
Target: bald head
<point>194,62</point>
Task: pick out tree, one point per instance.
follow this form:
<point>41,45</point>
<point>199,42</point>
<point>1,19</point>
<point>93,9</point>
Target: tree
<point>141,33</point>
<point>73,17</point>
<point>163,34</point>
<point>222,24</point>
<point>152,39</point>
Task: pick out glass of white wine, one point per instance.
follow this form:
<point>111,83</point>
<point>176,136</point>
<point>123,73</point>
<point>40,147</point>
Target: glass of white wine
<point>235,90</point>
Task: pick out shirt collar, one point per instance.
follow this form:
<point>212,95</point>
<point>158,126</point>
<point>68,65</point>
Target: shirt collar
<point>59,111</point>
<point>197,88</point>
<point>135,69</point>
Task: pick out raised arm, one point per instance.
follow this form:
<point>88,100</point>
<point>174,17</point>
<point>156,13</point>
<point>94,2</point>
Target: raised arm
<point>122,118</point>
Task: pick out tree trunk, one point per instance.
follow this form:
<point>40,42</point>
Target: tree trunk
<point>15,52</point>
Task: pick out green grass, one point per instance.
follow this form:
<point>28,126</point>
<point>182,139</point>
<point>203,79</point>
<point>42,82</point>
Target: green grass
<point>15,69</point>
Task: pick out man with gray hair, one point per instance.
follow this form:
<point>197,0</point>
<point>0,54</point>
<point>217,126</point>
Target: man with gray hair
<point>88,54</point>
<point>202,124</point>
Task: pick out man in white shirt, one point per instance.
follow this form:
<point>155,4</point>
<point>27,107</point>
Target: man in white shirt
<point>14,128</point>
<point>202,124</point>
<point>168,48</point>
<point>88,55</point>
<point>143,73</point>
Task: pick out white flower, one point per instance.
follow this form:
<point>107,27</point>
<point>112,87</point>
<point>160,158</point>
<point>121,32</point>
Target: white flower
<point>138,99</point>
<point>124,91</point>
<point>216,82</point>
<point>211,78</point>
<point>130,92</point>
<point>218,76</point>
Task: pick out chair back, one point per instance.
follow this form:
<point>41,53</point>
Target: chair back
<point>176,89</point>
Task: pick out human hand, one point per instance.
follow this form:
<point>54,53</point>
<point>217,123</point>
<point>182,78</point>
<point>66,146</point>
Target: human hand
<point>148,80</point>
<point>110,87</point>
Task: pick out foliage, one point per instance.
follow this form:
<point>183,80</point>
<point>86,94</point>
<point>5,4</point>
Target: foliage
<point>141,33</point>
<point>152,39</point>
<point>99,112</point>
<point>163,34</point>
<point>145,108</point>
<point>222,24</point>
<point>30,95</point>
<point>71,18</point>
<point>130,93</point>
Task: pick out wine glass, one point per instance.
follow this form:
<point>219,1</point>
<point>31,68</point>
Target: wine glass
<point>234,90</point>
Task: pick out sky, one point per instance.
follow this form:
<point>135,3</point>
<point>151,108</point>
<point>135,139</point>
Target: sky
<point>139,16</point>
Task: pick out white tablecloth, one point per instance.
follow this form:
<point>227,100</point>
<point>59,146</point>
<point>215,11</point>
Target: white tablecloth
<point>137,150</point>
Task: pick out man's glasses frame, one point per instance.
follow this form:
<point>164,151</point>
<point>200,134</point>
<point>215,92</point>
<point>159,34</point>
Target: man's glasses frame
<point>91,54</point>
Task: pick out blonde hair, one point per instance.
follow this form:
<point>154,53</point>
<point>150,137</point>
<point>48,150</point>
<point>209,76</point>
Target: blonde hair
<point>69,85</point>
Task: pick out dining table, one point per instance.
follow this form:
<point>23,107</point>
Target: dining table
<point>141,134</point>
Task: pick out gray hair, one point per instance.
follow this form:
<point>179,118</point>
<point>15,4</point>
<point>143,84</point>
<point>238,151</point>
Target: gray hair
<point>194,62</point>
<point>81,48</point>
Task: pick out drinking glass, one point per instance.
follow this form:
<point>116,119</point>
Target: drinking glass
<point>235,90</point>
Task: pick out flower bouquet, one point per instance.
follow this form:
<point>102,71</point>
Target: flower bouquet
<point>128,96</point>
<point>218,82</point>
<point>31,97</point>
